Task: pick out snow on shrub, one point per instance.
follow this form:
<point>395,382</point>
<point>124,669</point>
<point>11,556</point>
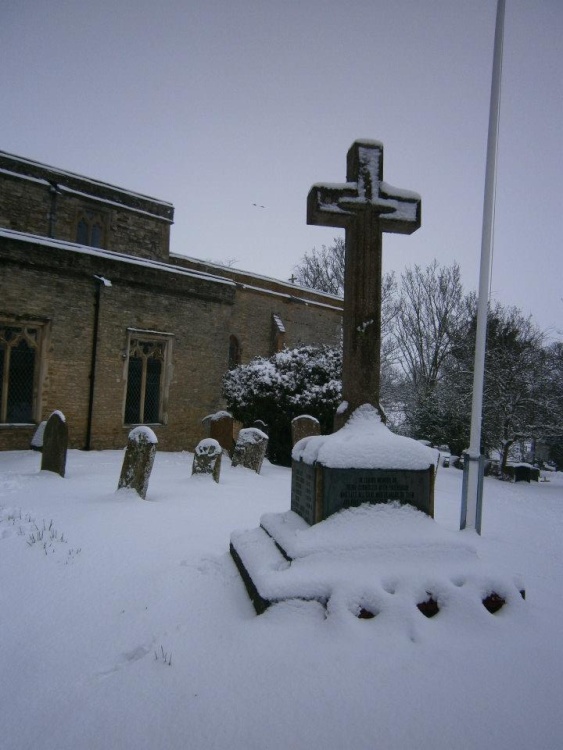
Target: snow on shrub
<point>305,380</point>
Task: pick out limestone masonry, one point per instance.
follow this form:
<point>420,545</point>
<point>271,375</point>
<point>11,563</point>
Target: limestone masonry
<point>99,320</point>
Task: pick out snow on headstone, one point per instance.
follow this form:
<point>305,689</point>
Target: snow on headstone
<point>55,444</point>
<point>250,449</point>
<point>36,443</point>
<point>259,424</point>
<point>138,460</point>
<point>207,458</point>
<point>304,426</point>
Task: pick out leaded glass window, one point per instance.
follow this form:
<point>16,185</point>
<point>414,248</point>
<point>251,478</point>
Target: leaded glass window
<point>19,355</point>
<point>145,379</point>
<point>91,228</point>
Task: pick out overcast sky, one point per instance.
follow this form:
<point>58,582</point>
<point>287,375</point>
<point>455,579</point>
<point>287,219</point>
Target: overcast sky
<point>215,105</point>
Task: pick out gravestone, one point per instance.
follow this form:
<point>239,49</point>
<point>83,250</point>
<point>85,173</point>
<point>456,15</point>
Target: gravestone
<point>207,458</point>
<point>206,422</point>
<point>362,462</point>
<point>138,460</point>
<point>55,444</point>
<point>304,426</point>
<point>250,449</point>
<point>220,426</point>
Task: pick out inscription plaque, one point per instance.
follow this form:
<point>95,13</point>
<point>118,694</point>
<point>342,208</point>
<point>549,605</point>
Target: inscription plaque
<point>319,491</point>
<point>303,490</point>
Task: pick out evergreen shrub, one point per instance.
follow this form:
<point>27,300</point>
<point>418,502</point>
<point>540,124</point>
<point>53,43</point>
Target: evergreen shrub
<point>305,380</point>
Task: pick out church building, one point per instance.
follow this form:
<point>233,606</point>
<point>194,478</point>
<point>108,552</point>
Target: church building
<point>100,321</point>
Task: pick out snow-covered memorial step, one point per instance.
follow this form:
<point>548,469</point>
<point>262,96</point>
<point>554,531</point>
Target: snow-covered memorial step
<point>374,559</point>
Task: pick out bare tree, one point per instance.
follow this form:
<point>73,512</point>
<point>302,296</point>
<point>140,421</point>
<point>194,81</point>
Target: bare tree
<point>431,308</point>
<point>323,269</point>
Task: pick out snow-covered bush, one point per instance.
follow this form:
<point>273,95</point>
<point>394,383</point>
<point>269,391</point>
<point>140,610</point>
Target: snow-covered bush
<point>306,380</point>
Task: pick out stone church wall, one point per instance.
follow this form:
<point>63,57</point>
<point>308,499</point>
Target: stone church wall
<point>182,312</point>
<point>48,202</point>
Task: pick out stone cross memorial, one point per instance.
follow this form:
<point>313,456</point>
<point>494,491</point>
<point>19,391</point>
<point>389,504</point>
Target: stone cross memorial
<point>366,207</point>
<point>363,461</point>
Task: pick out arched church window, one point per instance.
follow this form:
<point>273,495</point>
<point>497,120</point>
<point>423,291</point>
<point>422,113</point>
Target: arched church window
<point>91,228</point>
<point>146,379</point>
<point>19,367</point>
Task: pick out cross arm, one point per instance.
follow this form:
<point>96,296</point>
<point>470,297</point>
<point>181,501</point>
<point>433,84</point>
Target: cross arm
<point>323,204</point>
<point>405,218</point>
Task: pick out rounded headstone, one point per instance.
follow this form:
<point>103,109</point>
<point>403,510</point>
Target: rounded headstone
<point>250,449</point>
<point>138,460</point>
<point>55,443</point>
<point>207,458</point>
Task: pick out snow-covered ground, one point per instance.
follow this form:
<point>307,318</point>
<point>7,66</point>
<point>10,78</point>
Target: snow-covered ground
<point>92,614</point>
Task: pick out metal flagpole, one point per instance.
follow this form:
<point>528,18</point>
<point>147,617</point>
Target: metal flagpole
<point>472,492</point>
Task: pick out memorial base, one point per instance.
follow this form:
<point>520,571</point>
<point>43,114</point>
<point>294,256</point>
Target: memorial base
<point>365,561</point>
<point>319,491</point>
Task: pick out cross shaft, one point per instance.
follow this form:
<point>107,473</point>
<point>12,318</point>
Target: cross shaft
<point>365,207</point>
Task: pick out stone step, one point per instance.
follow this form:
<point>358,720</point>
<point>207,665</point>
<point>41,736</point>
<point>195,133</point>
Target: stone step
<point>373,560</point>
<point>256,555</point>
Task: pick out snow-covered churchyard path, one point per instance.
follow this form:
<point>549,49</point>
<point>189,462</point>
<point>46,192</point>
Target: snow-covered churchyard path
<point>127,625</point>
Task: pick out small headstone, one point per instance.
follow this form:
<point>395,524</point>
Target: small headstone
<point>207,458</point>
<point>250,449</point>
<point>206,422</point>
<point>138,460</point>
<point>304,426</point>
<point>221,429</point>
<point>37,439</point>
<point>55,443</point>
<point>259,424</point>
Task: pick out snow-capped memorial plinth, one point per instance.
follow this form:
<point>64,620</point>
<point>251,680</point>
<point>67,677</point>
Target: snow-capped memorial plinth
<point>363,462</point>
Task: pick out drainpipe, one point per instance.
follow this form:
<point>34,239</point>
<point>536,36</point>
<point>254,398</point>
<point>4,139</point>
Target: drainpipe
<point>54,191</point>
<point>100,282</point>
